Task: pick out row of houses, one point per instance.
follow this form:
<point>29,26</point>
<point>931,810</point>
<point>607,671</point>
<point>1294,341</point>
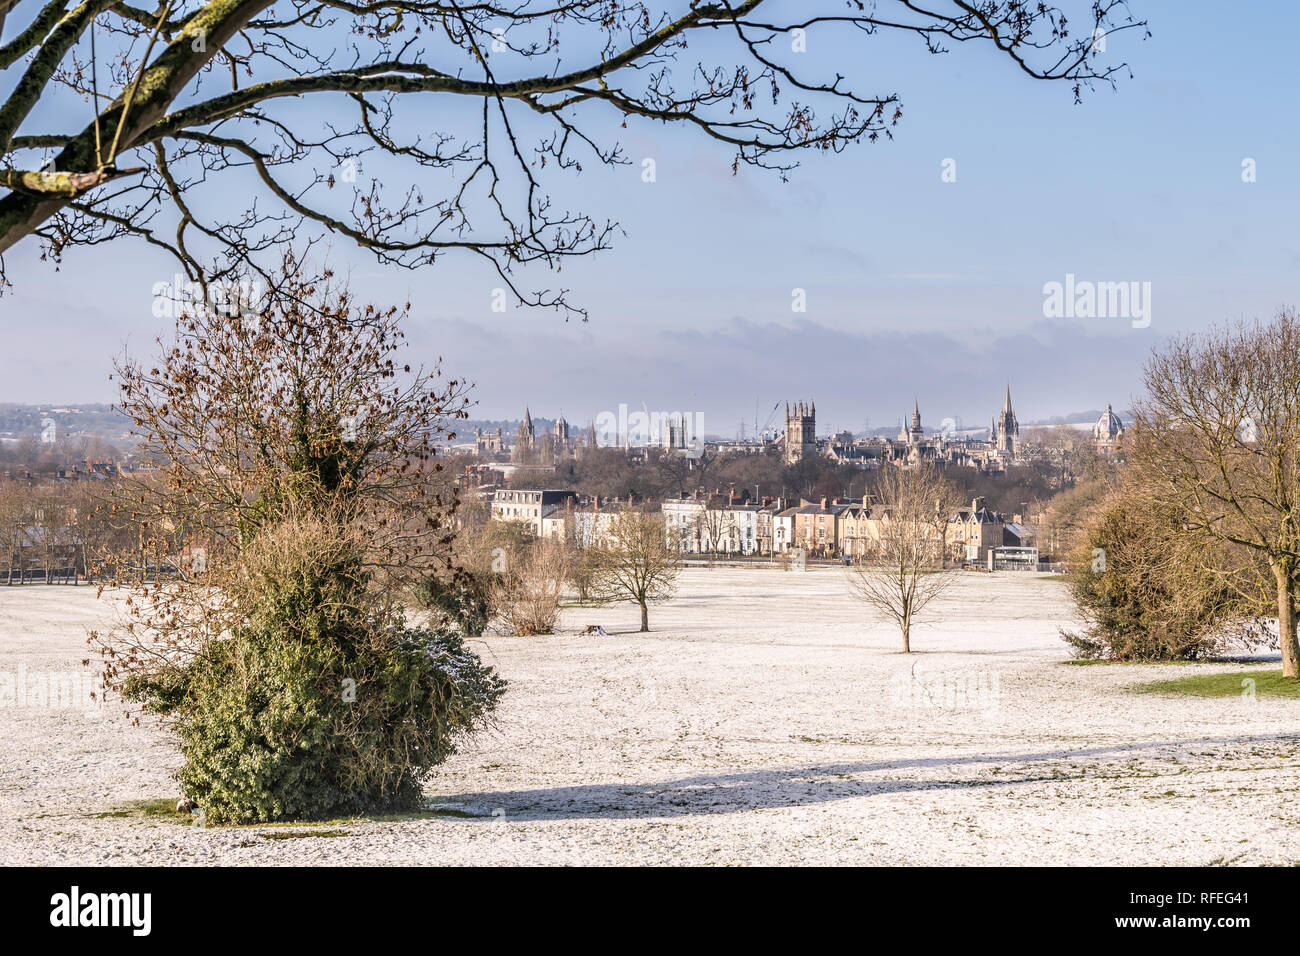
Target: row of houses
<point>729,524</point>
<point>95,469</point>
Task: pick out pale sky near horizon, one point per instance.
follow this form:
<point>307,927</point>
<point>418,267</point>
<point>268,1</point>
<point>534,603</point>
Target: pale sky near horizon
<point>916,287</point>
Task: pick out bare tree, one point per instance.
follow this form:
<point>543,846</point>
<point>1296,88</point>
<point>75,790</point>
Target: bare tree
<point>51,528</point>
<point>904,568</point>
<point>1218,440</point>
<point>582,564</point>
<point>716,525</point>
<point>527,594</point>
<point>167,112</point>
<point>680,473</point>
<point>12,504</point>
<point>637,560</point>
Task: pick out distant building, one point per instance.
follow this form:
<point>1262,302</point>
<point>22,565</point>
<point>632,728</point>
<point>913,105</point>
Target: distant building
<point>973,531</point>
<point>951,447</point>
<point>1108,432</point>
<point>815,526</point>
<point>557,444</point>
<point>858,529</point>
<point>527,432</point>
<point>528,505</point>
<point>800,432</point>
<point>1006,430</point>
<point>489,443</point>
<point>912,435</point>
<point>783,523</point>
<point>684,517</point>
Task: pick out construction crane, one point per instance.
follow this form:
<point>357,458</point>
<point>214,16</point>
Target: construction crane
<point>760,432</point>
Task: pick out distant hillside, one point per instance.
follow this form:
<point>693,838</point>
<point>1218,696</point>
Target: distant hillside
<point>1080,418</point>
<point>88,419</point>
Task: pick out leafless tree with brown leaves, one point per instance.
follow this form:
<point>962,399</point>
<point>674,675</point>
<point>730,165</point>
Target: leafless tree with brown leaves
<point>298,410</point>
<point>1218,440</point>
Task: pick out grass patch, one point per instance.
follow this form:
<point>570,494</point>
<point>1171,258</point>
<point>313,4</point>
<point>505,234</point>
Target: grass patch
<point>1089,661</point>
<point>450,812</point>
<point>299,834</point>
<point>165,810</point>
<point>1268,683</point>
<point>151,809</point>
<point>1052,577</point>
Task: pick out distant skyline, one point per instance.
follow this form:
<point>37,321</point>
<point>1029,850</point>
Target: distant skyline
<point>915,287</point>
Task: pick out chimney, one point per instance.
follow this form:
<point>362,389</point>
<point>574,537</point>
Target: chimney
<point>823,502</point>
<point>976,504</point>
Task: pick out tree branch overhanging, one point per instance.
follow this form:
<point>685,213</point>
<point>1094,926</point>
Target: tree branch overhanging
<point>201,92</point>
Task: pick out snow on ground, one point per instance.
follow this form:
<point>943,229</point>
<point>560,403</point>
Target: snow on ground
<point>767,718</point>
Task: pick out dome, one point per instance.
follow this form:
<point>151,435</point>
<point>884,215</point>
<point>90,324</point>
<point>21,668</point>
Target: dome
<point>1108,426</point>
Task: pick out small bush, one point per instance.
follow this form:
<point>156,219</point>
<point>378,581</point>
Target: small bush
<point>1148,593</point>
<point>528,594</point>
<point>462,601</point>
<point>320,700</point>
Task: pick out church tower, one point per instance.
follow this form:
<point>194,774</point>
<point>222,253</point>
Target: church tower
<point>800,432</point>
<point>915,433</point>
<point>527,433</point>
<point>525,439</point>
<point>589,445</point>
<point>1007,439</point>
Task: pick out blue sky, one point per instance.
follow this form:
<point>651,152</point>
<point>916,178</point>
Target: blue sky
<point>915,287</point>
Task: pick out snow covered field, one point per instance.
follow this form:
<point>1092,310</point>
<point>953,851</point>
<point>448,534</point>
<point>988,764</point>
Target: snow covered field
<point>766,719</point>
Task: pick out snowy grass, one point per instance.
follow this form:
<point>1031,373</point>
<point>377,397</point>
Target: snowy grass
<point>767,718</point>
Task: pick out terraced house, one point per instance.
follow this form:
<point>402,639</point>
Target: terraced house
<point>528,505</point>
<point>816,526</point>
<point>858,529</point>
<point>973,531</point>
